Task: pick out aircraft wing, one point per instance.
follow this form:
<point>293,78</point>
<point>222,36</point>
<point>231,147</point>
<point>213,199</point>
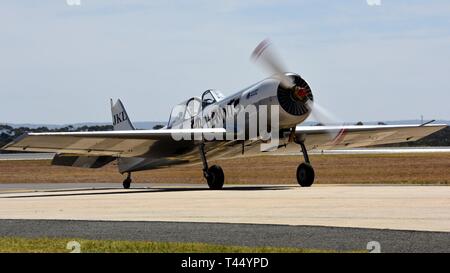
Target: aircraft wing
<point>163,142</point>
<point>355,136</point>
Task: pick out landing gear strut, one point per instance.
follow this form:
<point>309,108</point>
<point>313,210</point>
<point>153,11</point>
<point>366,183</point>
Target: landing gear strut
<point>305,172</point>
<point>127,182</point>
<point>214,174</point>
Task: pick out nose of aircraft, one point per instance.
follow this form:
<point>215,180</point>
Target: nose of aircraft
<point>300,92</point>
<point>293,99</point>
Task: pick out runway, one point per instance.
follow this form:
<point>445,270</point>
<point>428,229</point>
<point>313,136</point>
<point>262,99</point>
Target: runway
<point>425,208</point>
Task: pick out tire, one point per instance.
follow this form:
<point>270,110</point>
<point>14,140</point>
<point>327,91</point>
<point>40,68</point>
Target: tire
<point>215,178</point>
<point>305,175</point>
<point>126,183</point>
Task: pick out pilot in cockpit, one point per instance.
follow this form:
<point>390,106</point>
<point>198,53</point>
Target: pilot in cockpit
<point>211,96</point>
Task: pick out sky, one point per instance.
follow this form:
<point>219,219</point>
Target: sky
<point>62,60</point>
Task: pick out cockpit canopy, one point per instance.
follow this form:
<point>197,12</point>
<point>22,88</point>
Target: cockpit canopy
<point>190,108</point>
<point>211,96</point>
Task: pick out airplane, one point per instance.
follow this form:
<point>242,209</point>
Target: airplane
<point>184,139</point>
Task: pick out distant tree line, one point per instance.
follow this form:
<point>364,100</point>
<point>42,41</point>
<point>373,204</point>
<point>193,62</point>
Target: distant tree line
<point>8,133</point>
<point>158,126</point>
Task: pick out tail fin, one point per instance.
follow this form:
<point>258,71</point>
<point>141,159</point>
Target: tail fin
<point>120,118</point>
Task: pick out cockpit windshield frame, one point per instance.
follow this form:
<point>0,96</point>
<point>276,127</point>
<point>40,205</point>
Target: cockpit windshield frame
<point>181,113</point>
<point>184,111</point>
<point>211,96</point>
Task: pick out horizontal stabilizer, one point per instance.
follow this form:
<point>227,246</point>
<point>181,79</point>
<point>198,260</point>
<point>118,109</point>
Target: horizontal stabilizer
<point>81,161</point>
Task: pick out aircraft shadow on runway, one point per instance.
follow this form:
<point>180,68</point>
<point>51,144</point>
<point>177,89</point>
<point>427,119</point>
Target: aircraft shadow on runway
<point>100,191</point>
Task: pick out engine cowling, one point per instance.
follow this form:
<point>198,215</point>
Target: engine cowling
<point>294,100</point>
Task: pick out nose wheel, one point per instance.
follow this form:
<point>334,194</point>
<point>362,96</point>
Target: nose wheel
<point>214,175</point>
<point>127,182</point>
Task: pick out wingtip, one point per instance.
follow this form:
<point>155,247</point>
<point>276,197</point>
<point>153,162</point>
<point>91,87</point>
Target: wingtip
<point>14,141</point>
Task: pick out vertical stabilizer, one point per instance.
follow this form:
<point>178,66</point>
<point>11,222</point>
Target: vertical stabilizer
<point>120,118</point>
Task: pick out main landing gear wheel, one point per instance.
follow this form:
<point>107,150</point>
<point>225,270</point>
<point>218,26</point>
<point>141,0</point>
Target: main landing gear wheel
<point>215,177</point>
<point>305,175</point>
<point>127,182</point>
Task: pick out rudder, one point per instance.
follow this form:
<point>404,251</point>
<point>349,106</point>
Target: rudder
<point>120,118</point>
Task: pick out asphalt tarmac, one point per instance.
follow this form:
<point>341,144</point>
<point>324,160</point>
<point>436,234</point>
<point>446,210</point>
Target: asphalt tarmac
<point>311,237</point>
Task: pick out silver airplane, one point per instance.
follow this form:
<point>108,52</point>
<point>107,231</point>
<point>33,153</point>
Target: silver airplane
<point>183,140</point>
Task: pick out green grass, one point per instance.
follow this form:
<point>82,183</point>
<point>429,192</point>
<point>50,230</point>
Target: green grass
<point>58,245</point>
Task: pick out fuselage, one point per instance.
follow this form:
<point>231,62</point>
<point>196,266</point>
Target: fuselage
<point>200,113</point>
<point>212,110</point>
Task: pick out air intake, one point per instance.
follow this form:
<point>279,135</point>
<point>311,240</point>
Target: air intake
<point>293,100</point>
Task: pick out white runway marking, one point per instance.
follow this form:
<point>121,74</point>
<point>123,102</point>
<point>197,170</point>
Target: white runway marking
<point>391,150</point>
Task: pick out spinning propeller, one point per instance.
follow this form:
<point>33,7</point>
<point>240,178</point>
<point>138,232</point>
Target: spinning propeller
<point>265,54</point>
